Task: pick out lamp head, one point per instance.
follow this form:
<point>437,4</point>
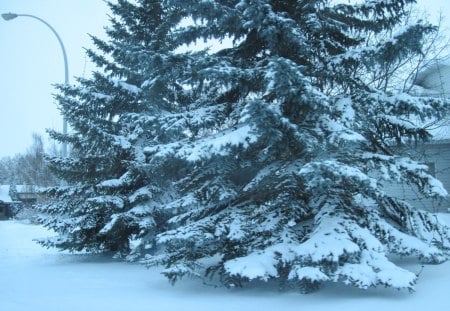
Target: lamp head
<point>9,16</point>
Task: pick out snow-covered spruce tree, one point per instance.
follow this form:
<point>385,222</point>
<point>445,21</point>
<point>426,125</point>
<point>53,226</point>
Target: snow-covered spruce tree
<point>110,193</point>
<point>285,166</point>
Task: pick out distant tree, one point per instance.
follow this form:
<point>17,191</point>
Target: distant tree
<point>29,168</point>
<point>4,171</point>
<point>32,168</point>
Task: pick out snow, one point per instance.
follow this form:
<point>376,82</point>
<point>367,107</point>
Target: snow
<point>35,278</point>
<point>339,170</point>
<point>110,200</point>
<point>340,133</point>
<point>308,273</point>
<point>111,183</point>
<point>253,266</point>
<point>126,86</point>
<point>207,147</point>
<point>101,96</point>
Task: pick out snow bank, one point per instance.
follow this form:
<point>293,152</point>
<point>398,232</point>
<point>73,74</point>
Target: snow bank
<point>34,278</point>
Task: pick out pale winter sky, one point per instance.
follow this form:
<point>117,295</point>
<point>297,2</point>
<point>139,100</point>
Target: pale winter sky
<point>31,61</point>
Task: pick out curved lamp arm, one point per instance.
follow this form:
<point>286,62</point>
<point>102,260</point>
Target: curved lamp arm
<point>10,16</point>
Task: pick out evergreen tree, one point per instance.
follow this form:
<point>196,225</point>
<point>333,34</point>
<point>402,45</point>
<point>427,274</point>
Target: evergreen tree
<point>111,194</point>
<point>263,160</point>
<point>287,147</point>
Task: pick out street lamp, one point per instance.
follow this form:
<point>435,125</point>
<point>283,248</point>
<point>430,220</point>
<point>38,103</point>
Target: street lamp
<point>10,16</point>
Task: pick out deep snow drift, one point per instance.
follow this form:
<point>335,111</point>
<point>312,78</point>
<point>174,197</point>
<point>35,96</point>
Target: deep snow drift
<point>33,278</point>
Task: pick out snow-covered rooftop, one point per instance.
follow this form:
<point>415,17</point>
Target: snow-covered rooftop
<point>4,194</point>
<point>26,188</point>
<point>441,132</point>
<point>435,81</point>
<point>435,78</point>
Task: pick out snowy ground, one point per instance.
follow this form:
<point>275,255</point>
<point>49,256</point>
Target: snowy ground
<point>33,278</point>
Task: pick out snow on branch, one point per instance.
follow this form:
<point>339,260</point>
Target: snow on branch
<point>216,144</point>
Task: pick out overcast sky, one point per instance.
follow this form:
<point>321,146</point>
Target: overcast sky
<point>31,61</point>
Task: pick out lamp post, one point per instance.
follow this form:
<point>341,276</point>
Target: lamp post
<point>10,16</point>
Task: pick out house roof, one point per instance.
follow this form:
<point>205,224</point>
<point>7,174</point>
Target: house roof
<point>441,131</point>
<point>4,194</point>
<point>26,188</point>
<point>435,81</point>
<point>435,78</point>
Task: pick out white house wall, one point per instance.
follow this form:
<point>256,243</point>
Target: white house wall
<point>434,154</point>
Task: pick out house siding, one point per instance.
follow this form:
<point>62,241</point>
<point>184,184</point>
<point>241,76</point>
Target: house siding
<point>435,154</point>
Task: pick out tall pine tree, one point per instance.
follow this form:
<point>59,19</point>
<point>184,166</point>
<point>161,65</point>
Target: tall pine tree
<point>285,165</point>
<point>111,194</point>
